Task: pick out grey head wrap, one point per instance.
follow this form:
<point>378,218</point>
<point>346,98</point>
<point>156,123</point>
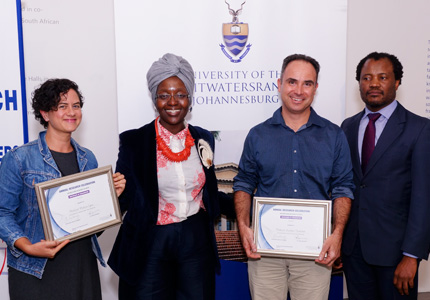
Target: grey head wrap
<point>167,66</point>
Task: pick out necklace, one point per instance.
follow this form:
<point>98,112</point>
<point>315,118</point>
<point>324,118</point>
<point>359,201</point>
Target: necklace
<point>168,153</point>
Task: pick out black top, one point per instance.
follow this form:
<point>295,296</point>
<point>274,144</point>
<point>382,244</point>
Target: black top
<point>66,162</point>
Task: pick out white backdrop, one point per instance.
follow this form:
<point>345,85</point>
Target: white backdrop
<point>145,30</point>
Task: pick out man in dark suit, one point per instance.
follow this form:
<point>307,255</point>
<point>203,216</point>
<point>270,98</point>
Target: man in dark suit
<point>389,228</point>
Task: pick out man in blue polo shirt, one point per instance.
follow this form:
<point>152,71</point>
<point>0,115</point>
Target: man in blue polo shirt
<point>294,154</point>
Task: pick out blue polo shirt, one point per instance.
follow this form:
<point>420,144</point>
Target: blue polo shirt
<point>312,163</point>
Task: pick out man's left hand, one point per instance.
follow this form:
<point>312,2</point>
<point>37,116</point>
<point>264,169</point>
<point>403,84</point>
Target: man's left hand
<point>330,250</point>
<point>405,274</point>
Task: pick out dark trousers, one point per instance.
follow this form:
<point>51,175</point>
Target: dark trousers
<point>180,264</point>
<point>371,282</point>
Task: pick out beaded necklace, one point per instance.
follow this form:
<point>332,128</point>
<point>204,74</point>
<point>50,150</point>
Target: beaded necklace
<point>167,152</point>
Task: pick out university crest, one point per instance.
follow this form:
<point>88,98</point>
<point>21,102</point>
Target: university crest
<point>235,36</point>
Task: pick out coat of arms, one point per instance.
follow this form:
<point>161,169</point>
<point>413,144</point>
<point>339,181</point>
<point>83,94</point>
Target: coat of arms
<point>235,35</point>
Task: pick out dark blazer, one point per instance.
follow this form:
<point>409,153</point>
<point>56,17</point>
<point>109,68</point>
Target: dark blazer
<point>391,208</point>
<point>137,160</point>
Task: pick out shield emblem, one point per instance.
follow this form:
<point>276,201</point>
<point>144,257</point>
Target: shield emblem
<point>235,36</point>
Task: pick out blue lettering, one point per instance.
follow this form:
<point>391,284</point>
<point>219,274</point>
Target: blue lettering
<point>9,99</point>
<point>244,101</point>
<point>211,87</point>
<point>5,149</point>
<point>234,99</point>
<point>237,87</point>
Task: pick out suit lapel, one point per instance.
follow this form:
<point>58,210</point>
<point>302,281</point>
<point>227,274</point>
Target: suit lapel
<point>391,132</point>
<point>149,168</point>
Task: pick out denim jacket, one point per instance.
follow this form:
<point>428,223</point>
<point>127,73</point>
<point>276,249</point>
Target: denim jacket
<point>20,169</point>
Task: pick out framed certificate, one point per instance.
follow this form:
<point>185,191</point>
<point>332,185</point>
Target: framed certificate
<point>78,205</point>
<point>291,228</point>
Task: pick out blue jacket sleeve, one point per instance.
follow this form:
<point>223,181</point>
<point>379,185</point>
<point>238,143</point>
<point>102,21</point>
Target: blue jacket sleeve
<point>416,240</point>
<point>11,188</point>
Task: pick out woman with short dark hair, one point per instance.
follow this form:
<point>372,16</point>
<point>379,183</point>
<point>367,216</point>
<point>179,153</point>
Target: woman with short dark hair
<point>40,269</point>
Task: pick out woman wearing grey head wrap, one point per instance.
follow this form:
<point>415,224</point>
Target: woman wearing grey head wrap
<point>166,246</point>
<point>168,66</point>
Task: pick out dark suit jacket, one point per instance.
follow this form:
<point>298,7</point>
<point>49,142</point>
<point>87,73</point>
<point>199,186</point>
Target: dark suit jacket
<point>391,208</point>
<point>137,161</point>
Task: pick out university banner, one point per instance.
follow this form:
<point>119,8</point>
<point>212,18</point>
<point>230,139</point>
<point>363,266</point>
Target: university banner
<point>13,109</point>
<point>236,49</point>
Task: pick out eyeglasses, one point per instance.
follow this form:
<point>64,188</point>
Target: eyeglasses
<point>63,106</point>
<point>177,97</point>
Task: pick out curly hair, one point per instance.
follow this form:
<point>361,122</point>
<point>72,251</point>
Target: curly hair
<point>48,95</point>
<point>397,65</point>
<point>303,57</point>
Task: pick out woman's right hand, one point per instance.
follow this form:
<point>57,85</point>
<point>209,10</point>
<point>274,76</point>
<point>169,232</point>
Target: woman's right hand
<point>119,183</point>
<point>43,248</point>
